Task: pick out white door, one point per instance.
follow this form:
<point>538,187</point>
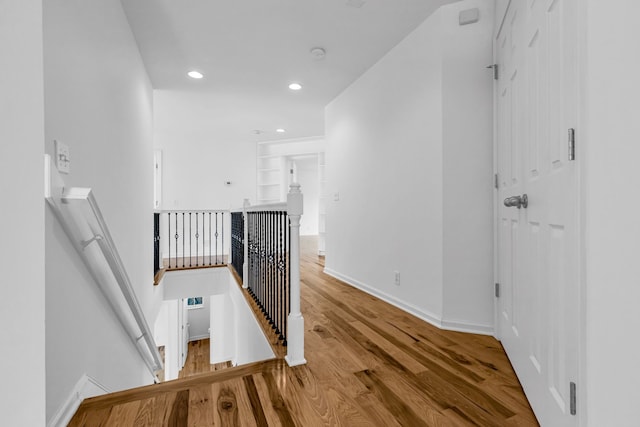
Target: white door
<point>183,331</point>
<point>539,246</point>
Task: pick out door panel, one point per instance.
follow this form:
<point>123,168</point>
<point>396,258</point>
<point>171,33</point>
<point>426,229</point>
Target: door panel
<point>538,309</point>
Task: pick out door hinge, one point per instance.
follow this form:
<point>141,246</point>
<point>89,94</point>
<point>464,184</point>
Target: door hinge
<point>495,181</point>
<point>495,70</point>
<point>572,144</point>
<point>572,398</point>
<point>497,290</point>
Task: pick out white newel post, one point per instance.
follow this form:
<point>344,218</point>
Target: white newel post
<point>295,324</point>
<point>245,262</point>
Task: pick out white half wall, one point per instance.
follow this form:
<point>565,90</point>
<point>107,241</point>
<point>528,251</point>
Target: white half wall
<point>235,335</point>
<point>22,293</point>
<point>196,166</point>
<point>399,169</point>
<point>98,101</point>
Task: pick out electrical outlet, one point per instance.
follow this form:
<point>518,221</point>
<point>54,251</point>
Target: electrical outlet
<point>63,157</point>
<point>397,277</point>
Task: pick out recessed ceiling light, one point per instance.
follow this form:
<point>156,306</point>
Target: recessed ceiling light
<point>195,74</point>
<point>295,86</point>
<point>280,130</point>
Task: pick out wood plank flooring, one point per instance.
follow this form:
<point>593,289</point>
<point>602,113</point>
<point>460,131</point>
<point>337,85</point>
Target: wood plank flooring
<point>369,364</point>
<point>198,357</point>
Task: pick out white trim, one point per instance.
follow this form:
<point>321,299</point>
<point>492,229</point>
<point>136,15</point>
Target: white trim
<point>85,387</point>
<point>199,337</point>
<point>472,328</point>
<point>437,321</point>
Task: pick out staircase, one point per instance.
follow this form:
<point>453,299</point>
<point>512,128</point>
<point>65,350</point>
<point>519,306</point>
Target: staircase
<point>217,398</point>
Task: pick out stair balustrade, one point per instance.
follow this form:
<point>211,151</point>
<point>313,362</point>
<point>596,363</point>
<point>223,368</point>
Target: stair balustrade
<point>267,257</point>
<point>194,238</point>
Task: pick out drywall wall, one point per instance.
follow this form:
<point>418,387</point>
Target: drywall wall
<point>608,150</point>
<point>251,345</point>
<point>188,283</point>
<point>399,169</point>
<point>384,175</point>
<point>98,101</point>
<point>307,176</point>
<point>467,123</point>
<point>22,366</point>
<point>199,319</point>
<point>196,166</point>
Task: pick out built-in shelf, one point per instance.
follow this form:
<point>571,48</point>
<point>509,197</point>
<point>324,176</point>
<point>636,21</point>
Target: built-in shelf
<point>269,184</point>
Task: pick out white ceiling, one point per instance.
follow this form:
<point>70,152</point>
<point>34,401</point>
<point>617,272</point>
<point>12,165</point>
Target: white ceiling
<point>250,50</point>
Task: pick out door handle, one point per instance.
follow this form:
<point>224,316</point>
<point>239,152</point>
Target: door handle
<point>517,201</point>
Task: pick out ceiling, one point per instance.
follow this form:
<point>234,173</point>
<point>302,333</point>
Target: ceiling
<point>250,50</point>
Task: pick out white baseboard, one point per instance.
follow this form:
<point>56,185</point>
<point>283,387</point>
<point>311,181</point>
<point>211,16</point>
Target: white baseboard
<point>198,337</point>
<point>85,387</point>
<point>428,317</point>
<point>472,328</point>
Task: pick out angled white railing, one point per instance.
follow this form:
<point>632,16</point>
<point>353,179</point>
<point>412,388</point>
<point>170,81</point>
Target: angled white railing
<point>77,211</point>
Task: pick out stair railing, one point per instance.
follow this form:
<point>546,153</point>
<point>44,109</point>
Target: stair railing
<point>79,214</point>
<point>194,238</point>
<point>267,258</point>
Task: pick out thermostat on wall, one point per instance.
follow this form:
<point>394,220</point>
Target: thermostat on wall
<point>469,16</point>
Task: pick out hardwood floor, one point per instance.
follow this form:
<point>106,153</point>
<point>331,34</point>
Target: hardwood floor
<point>369,364</point>
<point>198,360</point>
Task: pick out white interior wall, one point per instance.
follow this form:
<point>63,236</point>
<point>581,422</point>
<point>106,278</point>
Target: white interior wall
<point>387,136</point>
<point>468,166</point>
<point>98,101</point>
<point>199,319</point>
<point>384,175</point>
<point>307,171</point>
<point>195,165</point>
<point>607,142</point>
<point>22,293</point>
<point>223,328</point>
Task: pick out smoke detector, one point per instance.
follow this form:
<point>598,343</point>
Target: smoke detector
<point>356,3</point>
<point>318,53</point>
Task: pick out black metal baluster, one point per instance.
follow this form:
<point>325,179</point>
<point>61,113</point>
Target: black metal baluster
<point>268,242</point>
<point>223,260</point>
<point>216,238</point>
<point>190,239</point>
<point>253,255</point>
<point>272,218</point>
<point>204,240</point>
<point>177,235</point>
<point>169,238</point>
<point>262,256</point>
<point>209,238</point>
<point>197,236</point>
<point>280,303</point>
<point>156,242</point>
<point>183,240</point>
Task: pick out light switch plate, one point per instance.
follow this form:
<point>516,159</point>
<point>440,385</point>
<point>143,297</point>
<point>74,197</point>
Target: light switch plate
<point>63,157</point>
